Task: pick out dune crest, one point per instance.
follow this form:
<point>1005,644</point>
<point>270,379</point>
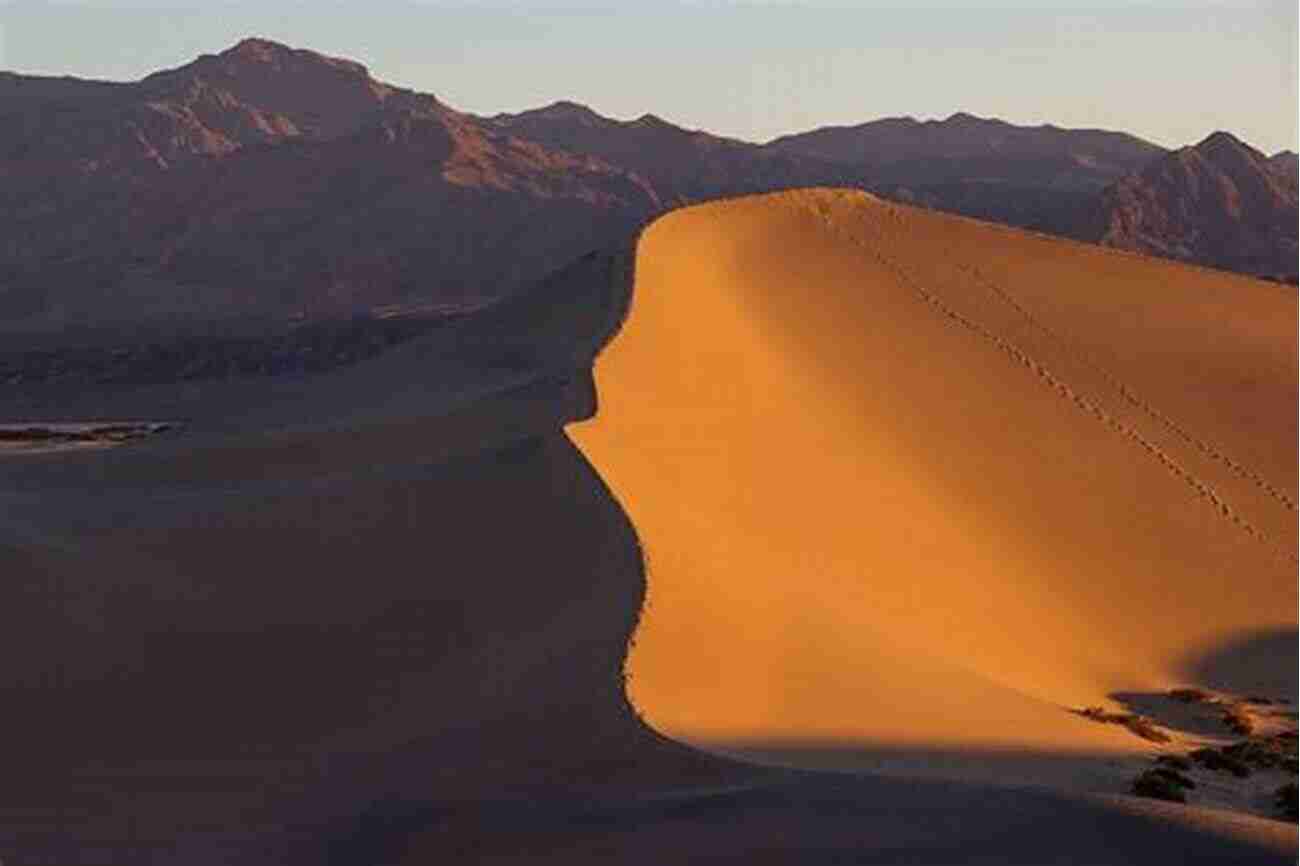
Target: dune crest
<point>915,479</point>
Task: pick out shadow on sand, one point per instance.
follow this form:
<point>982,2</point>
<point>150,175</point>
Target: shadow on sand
<point>1260,662</point>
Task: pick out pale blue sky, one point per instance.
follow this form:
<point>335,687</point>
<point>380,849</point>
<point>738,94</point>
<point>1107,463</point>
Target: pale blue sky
<point>1170,72</point>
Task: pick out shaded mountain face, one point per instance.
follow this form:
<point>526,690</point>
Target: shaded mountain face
<point>1220,203</point>
<point>258,92</point>
<point>1036,177</point>
<point>682,165</point>
<point>273,181</point>
<point>1025,176</point>
<point>968,148</point>
<point>1286,163</point>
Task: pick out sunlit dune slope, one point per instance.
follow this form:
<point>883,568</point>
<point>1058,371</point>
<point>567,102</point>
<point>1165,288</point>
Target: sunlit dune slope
<point>906,478</point>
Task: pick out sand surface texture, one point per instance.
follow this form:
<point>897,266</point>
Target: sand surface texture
<point>910,487</point>
<point>908,478</point>
<point>907,487</point>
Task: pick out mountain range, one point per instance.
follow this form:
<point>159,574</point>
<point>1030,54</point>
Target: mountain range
<point>1221,203</point>
<point>273,183</point>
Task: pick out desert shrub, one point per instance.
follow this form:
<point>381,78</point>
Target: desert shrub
<point>1214,759</point>
<point>1146,729</point>
<point>1285,800</point>
<point>1140,725</point>
<point>1157,787</point>
<point>1237,720</point>
<point>1172,775</point>
<point>1255,753</point>
<point>1189,696</point>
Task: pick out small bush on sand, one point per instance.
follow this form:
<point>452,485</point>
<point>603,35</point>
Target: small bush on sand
<point>1176,762</point>
<point>1190,696</point>
<point>1140,725</point>
<point>1157,787</point>
<point>1285,799</point>
<point>1146,729</point>
<point>1237,720</point>
<point>1172,775</point>
<point>1214,759</point>
<point>1262,753</point>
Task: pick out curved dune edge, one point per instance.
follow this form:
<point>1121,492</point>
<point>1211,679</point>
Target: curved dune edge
<point>906,479</point>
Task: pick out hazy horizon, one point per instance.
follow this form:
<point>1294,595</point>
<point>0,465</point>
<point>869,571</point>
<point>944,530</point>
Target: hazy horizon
<point>753,70</point>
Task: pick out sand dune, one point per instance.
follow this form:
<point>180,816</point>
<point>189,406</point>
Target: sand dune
<point>886,502</point>
<point>904,478</point>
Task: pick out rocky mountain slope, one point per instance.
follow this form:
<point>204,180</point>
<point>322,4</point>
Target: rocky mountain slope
<point>1220,203</point>
<point>273,181</point>
<point>682,165</point>
<point>1036,177</point>
<point>964,147</point>
<point>1287,163</point>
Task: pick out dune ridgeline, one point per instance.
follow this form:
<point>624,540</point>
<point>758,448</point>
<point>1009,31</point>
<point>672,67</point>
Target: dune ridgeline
<point>909,480</point>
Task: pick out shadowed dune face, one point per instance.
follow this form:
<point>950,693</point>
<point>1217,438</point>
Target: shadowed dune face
<point>907,478</point>
<point>378,587</point>
<point>248,670</point>
<point>1261,661</point>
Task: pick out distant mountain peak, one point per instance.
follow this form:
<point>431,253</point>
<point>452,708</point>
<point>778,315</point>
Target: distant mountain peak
<point>257,48</point>
<point>1221,139</point>
<point>648,119</point>
<point>257,52</point>
<point>567,105</point>
<point>1219,202</point>
<point>562,111</point>
<point>1229,154</point>
<point>566,108</point>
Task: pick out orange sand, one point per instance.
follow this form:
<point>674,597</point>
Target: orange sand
<point>906,478</point>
